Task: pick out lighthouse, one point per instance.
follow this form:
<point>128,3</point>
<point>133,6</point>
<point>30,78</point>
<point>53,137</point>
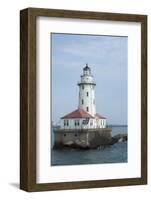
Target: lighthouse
<point>83,127</point>
<point>85,116</point>
<point>87,92</point>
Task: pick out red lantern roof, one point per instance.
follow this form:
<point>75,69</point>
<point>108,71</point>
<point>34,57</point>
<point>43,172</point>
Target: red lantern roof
<point>79,113</point>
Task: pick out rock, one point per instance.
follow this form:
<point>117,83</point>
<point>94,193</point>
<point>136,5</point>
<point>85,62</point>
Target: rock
<point>113,141</point>
<point>119,138</point>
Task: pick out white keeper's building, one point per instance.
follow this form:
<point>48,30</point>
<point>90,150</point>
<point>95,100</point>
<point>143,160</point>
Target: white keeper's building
<point>85,117</point>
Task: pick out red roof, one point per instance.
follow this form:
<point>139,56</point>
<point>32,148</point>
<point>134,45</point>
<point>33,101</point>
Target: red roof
<point>99,116</point>
<point>79,113</point>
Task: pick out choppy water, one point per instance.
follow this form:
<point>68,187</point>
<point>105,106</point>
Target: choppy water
<point>116,153</point>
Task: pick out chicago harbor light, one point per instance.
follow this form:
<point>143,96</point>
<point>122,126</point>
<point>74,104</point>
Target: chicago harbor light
<point>83,127</point>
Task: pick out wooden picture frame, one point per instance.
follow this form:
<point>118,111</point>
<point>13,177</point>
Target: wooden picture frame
<point>28,98</point>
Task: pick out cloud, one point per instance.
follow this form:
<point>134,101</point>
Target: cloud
<point>91,46</point>
<point>103,51</point>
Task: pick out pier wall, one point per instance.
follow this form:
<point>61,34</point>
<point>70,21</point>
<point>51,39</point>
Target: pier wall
<point>90,138</point>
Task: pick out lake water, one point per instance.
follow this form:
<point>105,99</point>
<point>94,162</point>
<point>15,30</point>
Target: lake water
<point>116,153</point>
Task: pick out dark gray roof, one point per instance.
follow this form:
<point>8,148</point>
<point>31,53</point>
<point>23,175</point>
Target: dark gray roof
<point>86,67</point>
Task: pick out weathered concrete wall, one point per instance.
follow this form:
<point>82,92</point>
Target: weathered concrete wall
<point>91,138</point>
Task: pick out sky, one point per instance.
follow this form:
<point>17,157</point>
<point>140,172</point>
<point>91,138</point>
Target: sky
<point>107,56</point>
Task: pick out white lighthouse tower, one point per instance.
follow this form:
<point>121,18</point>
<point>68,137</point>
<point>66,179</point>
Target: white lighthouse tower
<point>87,91</point>
<point>85,116</point>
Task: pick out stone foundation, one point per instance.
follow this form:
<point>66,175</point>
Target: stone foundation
<point>86,139</point>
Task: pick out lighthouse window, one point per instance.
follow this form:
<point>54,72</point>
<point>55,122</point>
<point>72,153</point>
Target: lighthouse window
<point>76,123</point>
<point>93,101</point>
<point>87,94</point>
<point>83,87</point>
<point>87,109</point>
<point>82,101</point>
<point>91,124</point>
<point>66,123</point>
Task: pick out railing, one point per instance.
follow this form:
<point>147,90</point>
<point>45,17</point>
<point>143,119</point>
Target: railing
<point>81,129</point>
<point>86,82</point>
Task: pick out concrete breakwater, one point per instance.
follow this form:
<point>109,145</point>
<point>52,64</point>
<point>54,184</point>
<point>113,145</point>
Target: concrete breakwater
<point>85,138</point>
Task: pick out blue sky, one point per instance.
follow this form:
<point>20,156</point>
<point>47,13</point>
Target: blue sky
<point>107,57</point>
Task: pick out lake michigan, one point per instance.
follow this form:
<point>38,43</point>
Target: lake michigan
<point>116,153</point>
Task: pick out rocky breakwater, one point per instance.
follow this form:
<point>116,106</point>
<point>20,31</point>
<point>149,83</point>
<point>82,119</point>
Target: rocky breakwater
<point>119,138</point>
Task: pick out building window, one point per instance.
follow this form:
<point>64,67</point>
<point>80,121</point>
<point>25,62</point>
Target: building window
<point>91,124</point>
<point>82,101</point>
<point>66,122</point>
<point>76,123</point>
<point>75,135</point>
<point>83,87</point>
<point>87,109</point>
<point>87,94</point>
<point>64,135</point>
